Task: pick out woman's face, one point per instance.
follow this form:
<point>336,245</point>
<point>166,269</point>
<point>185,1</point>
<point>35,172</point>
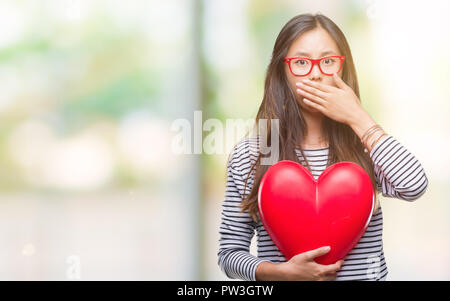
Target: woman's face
<point>316,43</point>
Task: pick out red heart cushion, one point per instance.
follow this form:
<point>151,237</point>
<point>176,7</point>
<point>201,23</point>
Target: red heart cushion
<point>301,214</point>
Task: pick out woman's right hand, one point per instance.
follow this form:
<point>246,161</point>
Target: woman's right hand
<point>303,267</point>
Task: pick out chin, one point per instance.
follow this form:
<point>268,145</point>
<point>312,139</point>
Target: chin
<point>312,110</point>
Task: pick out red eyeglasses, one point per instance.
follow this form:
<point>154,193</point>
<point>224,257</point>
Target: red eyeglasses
<point>302,66</point>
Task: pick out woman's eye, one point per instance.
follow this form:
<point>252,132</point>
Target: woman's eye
<point>328,61</point>
<point>300,62</point>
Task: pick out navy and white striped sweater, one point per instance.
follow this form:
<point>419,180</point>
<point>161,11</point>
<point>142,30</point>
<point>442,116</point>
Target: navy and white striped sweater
<point>398,173</point>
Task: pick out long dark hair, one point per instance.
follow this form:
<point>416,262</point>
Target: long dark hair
<point>279,102</point>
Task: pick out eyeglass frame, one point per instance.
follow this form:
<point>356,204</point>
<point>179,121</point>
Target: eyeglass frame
<point>314,62</point>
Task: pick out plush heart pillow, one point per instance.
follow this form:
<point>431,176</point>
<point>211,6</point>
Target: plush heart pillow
<point>301,214</point>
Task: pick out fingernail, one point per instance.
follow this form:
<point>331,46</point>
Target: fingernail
<point>299,84</point>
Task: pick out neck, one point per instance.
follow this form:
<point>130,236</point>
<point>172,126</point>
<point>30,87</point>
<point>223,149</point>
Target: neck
<point>314,129</point>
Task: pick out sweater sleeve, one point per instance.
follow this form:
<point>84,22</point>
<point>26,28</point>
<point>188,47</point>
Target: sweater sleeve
<point>398,172</point>
<point>236,228</point>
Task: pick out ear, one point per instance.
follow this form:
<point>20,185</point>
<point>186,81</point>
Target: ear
<point>339,82</point>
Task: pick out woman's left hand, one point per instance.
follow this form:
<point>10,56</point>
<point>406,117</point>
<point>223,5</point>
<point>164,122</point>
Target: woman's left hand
<point>339,103</point>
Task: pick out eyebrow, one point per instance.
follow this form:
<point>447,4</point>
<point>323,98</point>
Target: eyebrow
<point>322,54</point>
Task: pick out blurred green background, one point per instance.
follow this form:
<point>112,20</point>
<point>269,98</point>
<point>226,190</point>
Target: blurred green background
<point>90,187</point>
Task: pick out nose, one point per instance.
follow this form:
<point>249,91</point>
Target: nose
<point>315,73</point>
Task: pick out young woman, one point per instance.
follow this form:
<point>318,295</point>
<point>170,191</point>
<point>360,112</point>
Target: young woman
<point>312,89</point>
